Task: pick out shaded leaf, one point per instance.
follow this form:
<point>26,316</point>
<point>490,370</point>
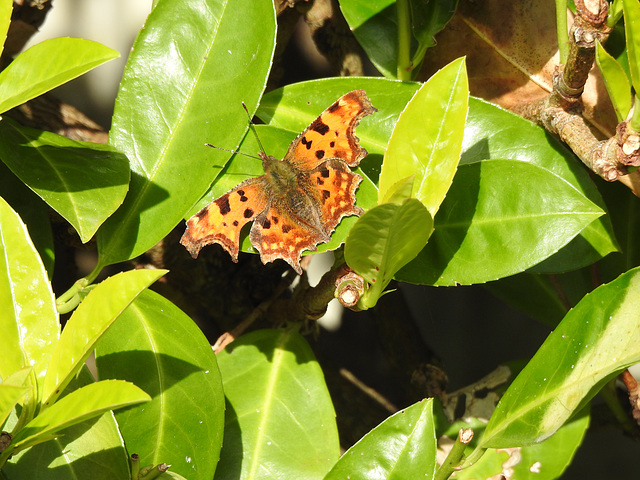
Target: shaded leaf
<point>84,182</point>
<point>375,25</point>
<point>90,449</point>
<point>9,396</point>
<point>183,87</point>
<point>33,211</point>
<point>89,322</point>
<point>159,348</point>
<point>596,340</point>
<point>87,402</point>
<point>489,226</point>
<point>401,447</point>
<point>280,421</point>
<point>47,65</point>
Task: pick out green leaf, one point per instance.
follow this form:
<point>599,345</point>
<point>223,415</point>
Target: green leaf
<point>191,67</point>
<point>159,348</point>
<point>47,65</point>
<point>84,182</point>
<point>597,339</point>
<point>500,218</point>
<point>9,396</point>
<point>87,402</point>
<point>33,211</point>
<point>280,420</point>
<point>28,318</point>
<point>385,239</point>
<point>632,32</point>
<point>616,81</point>
<point>90,449</point>
<point>89,322</point>
<point>6,8</point>
<point>401,447</point>
<point>427,138</point>
<point>547,459</point>
<point>427,19</point>
<point>375,25</point>
<point>490,132</point>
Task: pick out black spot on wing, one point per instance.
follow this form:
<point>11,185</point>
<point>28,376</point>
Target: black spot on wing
<point>325,195</point>
<point>248,213</point>
<point>286,228</point>
<point>223,204</point>
<point>306,143</point>
<point>319,154</point>
<point>334,107</point>
<point>319,126</point>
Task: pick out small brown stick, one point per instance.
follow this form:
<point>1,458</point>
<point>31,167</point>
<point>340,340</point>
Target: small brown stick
<point>634,394</point>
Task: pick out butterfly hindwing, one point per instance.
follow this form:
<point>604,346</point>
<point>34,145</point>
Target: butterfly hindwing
<point>222,220</point>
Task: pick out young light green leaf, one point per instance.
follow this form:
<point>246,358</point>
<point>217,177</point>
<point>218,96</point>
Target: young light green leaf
<point>400,191</point>
<point>47,65</point>
<point>93,447</point>
<point>597,339</point>
<point>500,218</point>
<point>427,138</point>
<point>29,320</point>
<point>6,8</point>
<point>155,345</point>
<point>632,32</point>
<point>383,240</point>
<point>9,396</point>
<point>402,447</point>
<point>84,182</point>
<point>87,402</point>
<point>616,81</point>
<point>278,409</point>
<point>89,322</point>
<point>191,68</point>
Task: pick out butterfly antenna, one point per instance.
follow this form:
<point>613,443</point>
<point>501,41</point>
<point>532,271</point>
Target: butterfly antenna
<point>233,151</point>
<point>253,128</point>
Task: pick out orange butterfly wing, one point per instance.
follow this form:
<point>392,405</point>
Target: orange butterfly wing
<point>222,220</point>
<point>332,134</point>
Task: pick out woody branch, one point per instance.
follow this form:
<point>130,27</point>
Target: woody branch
<point>560,113</point>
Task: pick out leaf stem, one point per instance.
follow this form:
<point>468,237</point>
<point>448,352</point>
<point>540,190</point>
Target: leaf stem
<point>455,456</point>
<point>561,30</point>
<point>404,40</point>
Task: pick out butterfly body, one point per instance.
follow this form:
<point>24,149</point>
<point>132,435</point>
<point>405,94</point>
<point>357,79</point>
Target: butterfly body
<point>300,199</point>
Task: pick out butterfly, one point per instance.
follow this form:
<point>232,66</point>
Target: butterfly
<point>300,199</point>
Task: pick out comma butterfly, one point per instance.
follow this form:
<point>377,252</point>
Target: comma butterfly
<point>300,199</point>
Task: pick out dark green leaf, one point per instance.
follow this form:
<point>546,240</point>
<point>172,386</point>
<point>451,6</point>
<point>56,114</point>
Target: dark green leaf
<point>280,420</point>
<point>33,211</point>
<point>191,67</point>
<point>84,182</point>
<point>500,217</point>
<point>428,17</point>
<point>47,65</point>
<point>597,339</point>
<point>157,347</point>
<point>375,25</point>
